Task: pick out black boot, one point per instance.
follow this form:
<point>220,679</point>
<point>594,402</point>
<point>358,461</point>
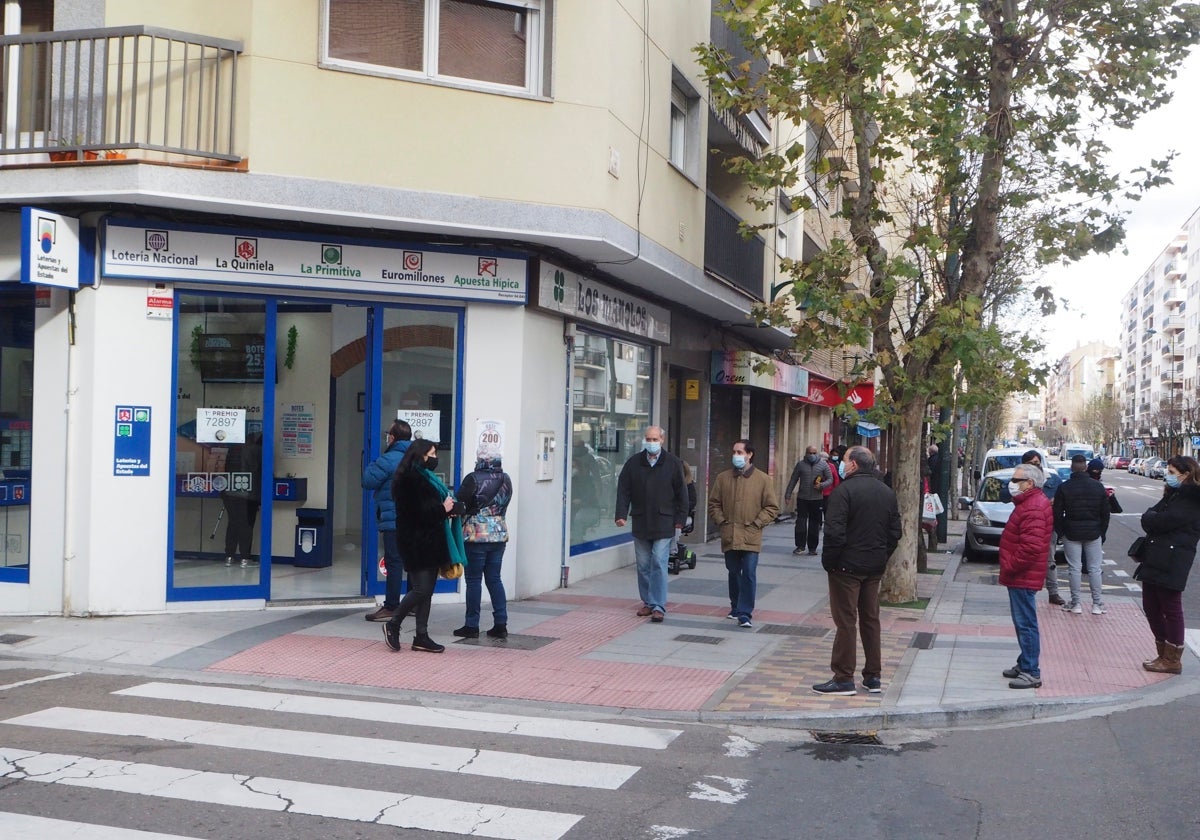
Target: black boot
<point>500,631</point>
<point>422,642</point>
<point>466,632</point>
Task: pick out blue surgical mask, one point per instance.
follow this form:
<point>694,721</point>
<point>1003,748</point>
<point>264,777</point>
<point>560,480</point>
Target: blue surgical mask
<point>652,447</point>
<point>812,459</point>
<point>739,462</point>
<point>841,469</point>
<point>1171,479</point>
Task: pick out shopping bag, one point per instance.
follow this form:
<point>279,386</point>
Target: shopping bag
<point>931,506</point>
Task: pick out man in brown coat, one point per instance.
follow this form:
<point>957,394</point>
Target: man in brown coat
<point>741,504</point>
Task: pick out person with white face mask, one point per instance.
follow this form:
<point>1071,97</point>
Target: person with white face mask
<point>651,490</point>
<point>741,504</point>
<point>1023,545</point>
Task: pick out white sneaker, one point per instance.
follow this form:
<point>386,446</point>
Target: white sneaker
<point>245,562</point>
<point>228,561</point>
<point>1077,609</point>
<point>1098,609</point>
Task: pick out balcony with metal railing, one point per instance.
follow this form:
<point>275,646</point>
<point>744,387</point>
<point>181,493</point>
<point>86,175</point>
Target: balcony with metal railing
<point>728,254</point>
<point>589,399</point>
<point>1173,324</point>
<point>95,94</point>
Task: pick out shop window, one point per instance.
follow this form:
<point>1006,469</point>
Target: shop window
<point>16,429</point>
<point>496,44</point>
<point>611,384</point>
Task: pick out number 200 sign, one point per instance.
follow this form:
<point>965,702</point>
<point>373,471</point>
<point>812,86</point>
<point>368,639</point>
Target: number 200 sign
<point>489,438</point>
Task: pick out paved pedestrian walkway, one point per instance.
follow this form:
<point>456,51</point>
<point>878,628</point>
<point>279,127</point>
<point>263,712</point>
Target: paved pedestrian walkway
<point>584,646</point>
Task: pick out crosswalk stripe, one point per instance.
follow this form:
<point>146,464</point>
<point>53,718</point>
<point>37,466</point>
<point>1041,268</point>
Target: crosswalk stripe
<point>571,730</point>
<point>37,680</point>
<point>360,805</point>
<point>24,825</point>
<point>492,763</point>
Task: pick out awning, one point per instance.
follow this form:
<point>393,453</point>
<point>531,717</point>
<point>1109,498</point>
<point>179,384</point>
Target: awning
<point>867,430</point>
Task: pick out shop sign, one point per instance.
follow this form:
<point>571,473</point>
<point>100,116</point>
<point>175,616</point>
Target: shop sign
<point>245,257</point>
<point>489,438</point>
<point>589,301</point>
<point>131,440</point>
<point>691,389</point>
<point>737,367</point>
<point>297,429</point>
<point>50,254</point>
<point>426,425</point>
<point>826,392</point>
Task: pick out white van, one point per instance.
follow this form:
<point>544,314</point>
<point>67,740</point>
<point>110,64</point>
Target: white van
<point>1070,450</point>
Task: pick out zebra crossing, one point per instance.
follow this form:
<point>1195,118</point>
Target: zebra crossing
<point>296,728</point>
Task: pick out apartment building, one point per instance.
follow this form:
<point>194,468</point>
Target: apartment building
<point>1079,376</point>
<point>1158,382</point>
<point>300,219</point>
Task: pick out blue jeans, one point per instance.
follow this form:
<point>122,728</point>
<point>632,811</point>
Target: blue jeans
<point>1023,605</point>
<point>483,566</point>
<point>652,556</point>
<point>743,578</point>
<point>395,570</point>
<point>1093,552</point>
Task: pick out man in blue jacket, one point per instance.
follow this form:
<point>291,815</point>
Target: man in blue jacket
<point>652,491</point>
<point>378,477</point>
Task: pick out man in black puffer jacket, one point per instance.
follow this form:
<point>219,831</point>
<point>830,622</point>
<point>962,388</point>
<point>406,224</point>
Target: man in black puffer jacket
<point>1081,515</point>
<point>862,529</point>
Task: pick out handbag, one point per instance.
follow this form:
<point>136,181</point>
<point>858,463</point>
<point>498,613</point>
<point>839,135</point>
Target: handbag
<point>1137,548</point>
<point>452,572</point>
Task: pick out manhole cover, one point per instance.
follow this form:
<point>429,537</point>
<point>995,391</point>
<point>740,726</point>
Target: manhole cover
<point>13,638</point>
<point>922,641</point>
<point>864,738</point>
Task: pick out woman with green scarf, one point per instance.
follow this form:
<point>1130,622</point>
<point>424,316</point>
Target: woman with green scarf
<point>430,538</point>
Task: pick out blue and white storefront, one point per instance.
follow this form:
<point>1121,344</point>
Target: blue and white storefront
<point>197,346</point>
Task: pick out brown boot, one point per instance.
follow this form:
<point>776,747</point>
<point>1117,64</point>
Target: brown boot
<point>1170,662</point>
<point>1158,645</point>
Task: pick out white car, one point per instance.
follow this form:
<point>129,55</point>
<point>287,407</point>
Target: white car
<point>989,512</point>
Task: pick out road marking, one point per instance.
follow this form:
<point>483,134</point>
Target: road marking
<point>37,680</point>
<point>1120,573</point>
<point>1108,562</point>
<point>570,730</point>
<point>668,832</point>
<point>360,805</point>
<point>23,825</point>
<point>501,765</point>
<point>739,747</point>
<point>1191,638</point>
<point>1133,587</point>
<point>732,792</point>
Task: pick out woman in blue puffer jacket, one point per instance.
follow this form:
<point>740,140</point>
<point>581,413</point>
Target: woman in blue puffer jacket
<point>378,477</point>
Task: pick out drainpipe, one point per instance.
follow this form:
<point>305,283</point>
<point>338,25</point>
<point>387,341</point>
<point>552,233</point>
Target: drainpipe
<point>68,461</point>
<point>569,333</point>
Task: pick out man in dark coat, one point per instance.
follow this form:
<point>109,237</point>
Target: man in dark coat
<point>651,489</point>
<point>1081,515</point>
<point>862,529</point>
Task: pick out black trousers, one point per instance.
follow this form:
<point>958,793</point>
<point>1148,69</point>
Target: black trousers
<point>808,523</point>
<point>417,600</point>
<point>239,531</point>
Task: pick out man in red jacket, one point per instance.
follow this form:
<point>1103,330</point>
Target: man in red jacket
<point>1023,568</point>
<point>1023,547</point>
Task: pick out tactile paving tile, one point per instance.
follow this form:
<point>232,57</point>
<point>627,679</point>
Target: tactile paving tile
<point>556,672</point>
<point>783,679</point>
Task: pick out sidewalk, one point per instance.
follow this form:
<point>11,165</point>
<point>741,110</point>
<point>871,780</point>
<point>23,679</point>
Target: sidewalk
<point>585,647</point>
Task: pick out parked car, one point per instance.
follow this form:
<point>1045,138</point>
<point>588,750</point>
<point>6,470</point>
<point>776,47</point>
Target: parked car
<point>989,512</point>
<point>1120,462</point>
<point>1155,468</point>
<point>1135,466</point>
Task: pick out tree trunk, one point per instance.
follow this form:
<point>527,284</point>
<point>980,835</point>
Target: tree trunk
<point>900,580</point>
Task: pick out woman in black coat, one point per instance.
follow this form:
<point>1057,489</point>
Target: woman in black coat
<point>1172,529</point>
<point>423,506</point>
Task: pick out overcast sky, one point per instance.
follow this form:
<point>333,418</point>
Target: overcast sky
<point>1094,286</point>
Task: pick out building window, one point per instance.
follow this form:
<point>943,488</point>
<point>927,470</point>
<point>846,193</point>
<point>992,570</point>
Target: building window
<point>612,383</point>
<point>500,45</point>
<point>684,130</point>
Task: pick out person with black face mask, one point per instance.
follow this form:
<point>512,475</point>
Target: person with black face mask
<point>430,538</point>
<point>810,477</point>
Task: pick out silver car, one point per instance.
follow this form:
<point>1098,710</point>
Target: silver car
<point>989,512</point>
